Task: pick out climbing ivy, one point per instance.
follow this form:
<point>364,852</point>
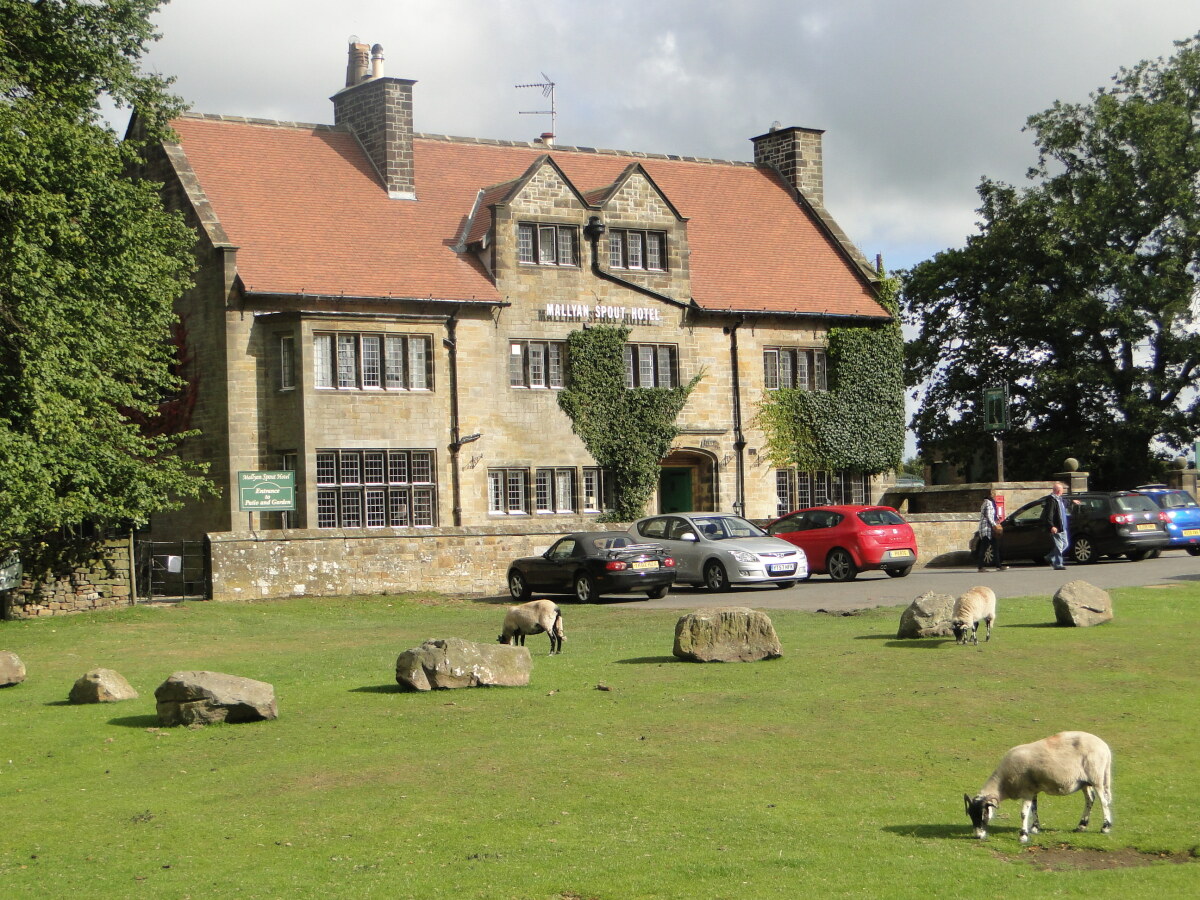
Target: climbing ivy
<point>626,430</point>
<point>858,424</point>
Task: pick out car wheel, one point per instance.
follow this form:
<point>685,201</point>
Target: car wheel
<point>1194,551</point>
<point>899,573</point>
<point>1138,555</point>
<point>840,566</point>
<point>1155,554</point>
<point>585,588</point>
<point>715,578</point>
<point>784,585</point>
<point>1084,550</point>
<point>989,556</point>
<point>658,593</point>
<point>517,586</point>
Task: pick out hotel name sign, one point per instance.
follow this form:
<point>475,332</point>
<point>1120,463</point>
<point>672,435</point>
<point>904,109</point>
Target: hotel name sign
<point>598,312</point>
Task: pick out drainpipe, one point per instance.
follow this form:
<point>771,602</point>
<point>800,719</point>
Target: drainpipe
<point>593,231</point>
<point>739,439</point>
<point>450,342</point>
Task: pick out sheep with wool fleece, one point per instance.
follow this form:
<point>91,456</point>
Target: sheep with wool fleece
<point>1059,765</point>
<point>975,605</point>
<point>533,617</point>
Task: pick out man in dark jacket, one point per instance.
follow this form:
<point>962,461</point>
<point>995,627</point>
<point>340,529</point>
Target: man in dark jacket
<point>1055,518</point>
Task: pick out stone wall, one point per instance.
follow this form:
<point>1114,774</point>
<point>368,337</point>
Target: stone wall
<point>104,580</point>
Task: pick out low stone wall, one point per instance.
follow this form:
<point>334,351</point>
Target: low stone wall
<point>104,580</point>
<point>329,562</point>
<point>469,561</point>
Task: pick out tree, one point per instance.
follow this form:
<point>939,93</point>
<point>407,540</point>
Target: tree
<point>90,265</point>
<point>1079,292</point>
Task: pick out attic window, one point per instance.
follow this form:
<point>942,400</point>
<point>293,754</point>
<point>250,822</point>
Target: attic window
<point>547,245</point>
<point>630,249</point>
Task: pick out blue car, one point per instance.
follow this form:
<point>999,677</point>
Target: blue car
<point>1183,512</point>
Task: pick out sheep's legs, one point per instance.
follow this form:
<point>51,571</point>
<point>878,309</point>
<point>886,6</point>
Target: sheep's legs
<point>989,629</point>
<point>1028,809</point>
<point>1089,794</point>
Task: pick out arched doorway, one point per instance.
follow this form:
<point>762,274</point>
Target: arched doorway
<point>687,481</point>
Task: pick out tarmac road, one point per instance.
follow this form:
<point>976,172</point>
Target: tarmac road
<point>877,589</point>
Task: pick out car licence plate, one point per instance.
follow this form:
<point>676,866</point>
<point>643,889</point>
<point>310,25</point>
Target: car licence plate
<point>899,554</point>
<point>782,568</point>
<point>1191,532</point>
<point>1147,527</point>
<point>652,564</point>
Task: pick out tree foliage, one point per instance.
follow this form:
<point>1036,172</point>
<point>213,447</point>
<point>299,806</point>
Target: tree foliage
<point>858,424</point>
<point>626,430</point>
<point>1079,291</point>
<point>90,265</point>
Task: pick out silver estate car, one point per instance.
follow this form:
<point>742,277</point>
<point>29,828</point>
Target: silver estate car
<point>716,550</point>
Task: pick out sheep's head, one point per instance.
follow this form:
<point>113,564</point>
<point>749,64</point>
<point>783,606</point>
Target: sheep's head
<point>979,810</point>
<point>961,630</point>
<point>503,639</point>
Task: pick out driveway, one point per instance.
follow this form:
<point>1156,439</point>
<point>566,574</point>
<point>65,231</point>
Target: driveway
<point>877,589</point>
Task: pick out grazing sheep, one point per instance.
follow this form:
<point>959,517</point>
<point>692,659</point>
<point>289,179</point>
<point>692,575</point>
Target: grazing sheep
<point>1058,765</point>
<point>533,617</point>
<point>977,605</point>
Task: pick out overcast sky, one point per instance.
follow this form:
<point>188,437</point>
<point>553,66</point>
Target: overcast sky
<point>918,98</point>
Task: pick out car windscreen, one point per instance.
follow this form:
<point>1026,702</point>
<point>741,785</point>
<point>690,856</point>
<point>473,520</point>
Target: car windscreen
<point>720,528</point>
<point>1135,503</point>
<point>880,517</point>
<point>1177,500</point>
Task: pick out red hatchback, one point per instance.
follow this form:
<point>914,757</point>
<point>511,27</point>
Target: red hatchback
<point>844,540</point>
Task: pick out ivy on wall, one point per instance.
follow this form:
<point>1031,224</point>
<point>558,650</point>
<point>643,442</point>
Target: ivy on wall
<point>626,430</point>
<point>858,424</point>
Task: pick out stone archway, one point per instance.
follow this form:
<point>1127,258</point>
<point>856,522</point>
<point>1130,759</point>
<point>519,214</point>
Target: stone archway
<point>687,481</point>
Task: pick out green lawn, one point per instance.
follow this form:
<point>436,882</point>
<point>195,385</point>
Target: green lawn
<point>837,770</point>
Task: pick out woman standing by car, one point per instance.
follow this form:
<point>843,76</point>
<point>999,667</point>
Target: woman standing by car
<point>989,532</point>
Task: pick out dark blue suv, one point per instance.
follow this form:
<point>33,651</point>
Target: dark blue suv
<point>1183,512</point>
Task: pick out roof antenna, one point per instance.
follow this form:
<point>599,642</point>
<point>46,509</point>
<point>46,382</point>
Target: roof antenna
<point>547,87</point>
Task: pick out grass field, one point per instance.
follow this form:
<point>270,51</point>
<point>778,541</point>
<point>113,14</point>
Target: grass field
<point>835,771</point>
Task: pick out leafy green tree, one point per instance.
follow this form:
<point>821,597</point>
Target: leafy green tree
<point>1079,291</point>
<point>858,424</point>
<point>90,264</point>
<point>626,430</point>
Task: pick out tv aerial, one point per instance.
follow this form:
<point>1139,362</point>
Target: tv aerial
<point>547,87</point>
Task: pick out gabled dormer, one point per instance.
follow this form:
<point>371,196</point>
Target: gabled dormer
<point>645,232</point>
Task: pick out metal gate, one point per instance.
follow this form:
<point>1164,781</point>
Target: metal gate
<point>173,570</point>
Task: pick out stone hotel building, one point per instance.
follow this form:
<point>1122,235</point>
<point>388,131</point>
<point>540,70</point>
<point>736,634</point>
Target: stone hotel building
<point>385,313</point>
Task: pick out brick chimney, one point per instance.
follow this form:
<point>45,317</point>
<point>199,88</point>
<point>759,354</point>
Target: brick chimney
<point>378,110</point>
<point>796,153</point>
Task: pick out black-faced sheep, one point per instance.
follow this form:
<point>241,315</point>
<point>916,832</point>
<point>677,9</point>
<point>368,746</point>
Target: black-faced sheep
<point>533,617</point>
<point>977,605</point>
<point>1058,765</point>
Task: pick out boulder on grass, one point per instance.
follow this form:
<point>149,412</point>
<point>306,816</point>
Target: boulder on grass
<point>12,670</point>
<point>726,634</point>
<point>1081,605</point>
<point>101,686</point>
<point>201,698</point>
<point>455,663</point>
<point>927,616</point>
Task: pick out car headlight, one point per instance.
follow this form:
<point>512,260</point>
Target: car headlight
<point>743,556</point>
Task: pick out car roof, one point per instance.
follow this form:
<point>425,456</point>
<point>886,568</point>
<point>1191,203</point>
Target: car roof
<point>844,508</point>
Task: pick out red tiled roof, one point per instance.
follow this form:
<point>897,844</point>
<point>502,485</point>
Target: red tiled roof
<point>309,215</point>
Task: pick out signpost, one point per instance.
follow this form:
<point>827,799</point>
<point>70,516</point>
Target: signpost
<point>995,419</point>
<point>10,572</point>
<point>266,492</point>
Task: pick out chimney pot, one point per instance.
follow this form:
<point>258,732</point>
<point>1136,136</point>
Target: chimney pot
<point>377,61</point>
<point>357,64</point>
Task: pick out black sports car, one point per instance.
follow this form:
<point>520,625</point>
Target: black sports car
<point>590,563</point>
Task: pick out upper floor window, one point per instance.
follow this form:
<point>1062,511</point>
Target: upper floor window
<point>789,367</point>
<point>287,362</point>
<point>629,249</point>
<point>352,361</point>
<point>536,364</point>
<point>651,366</point>
<point>548,245</point>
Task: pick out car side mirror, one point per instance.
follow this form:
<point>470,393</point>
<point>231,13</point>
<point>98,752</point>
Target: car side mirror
<point>688,536</point>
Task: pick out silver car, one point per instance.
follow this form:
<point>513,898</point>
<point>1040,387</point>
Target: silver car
<point>716,550</point>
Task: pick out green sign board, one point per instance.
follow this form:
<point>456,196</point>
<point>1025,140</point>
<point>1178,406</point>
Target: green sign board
<point>266,491</point>
<point>10,572</point>
<point>995,408</point>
